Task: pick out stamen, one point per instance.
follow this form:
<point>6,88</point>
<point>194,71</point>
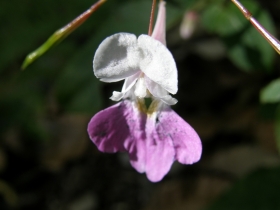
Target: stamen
<point>152,18</point>
<point>269,38</point>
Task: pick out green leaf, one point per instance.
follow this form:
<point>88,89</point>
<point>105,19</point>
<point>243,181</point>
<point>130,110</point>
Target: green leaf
<point>254,48</point>
<point>271,93</point>
<point>258,191</point>
<point>222,19</point>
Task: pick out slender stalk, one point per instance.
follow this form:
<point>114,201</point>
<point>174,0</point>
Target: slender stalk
<point>152,18</point>
<point>81,18</point>
<point>269,38</point>
<point>61,34</point>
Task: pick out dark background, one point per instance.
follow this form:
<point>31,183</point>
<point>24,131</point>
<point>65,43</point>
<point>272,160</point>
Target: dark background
<point>46,158</point>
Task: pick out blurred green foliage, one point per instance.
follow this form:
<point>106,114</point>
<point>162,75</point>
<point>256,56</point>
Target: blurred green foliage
<point>271,93</point>
<point>246,47</point>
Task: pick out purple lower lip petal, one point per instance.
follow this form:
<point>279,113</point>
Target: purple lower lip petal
<point>153,142</point>
<point>108,129</point>
<point>186,142</point>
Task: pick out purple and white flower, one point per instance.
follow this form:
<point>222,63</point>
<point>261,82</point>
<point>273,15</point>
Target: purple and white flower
<point>154,136</point>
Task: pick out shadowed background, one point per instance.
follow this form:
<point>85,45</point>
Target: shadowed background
<point>46,158</point>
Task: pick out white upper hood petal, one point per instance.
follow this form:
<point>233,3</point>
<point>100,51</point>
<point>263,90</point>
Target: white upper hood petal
<point>158,63</point>
<point>117,57</point>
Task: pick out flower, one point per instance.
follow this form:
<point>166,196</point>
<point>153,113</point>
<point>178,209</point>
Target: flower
<point>154,136</point>
<point>145,63</point>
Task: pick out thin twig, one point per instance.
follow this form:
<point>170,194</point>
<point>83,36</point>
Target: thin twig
<point>152,18</point>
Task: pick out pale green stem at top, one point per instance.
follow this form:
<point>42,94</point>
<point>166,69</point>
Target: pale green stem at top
<point>60,34</point>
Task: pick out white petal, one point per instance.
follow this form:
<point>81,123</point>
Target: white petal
<point>169,100</point>
<point>128,83</point>
<point>116,96</point>
<point>110,79</point>
<point>116,58</point>
<point>158,63</point>
<point>140,88</point>
<point>155,89</point>
<point>158,92</point>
